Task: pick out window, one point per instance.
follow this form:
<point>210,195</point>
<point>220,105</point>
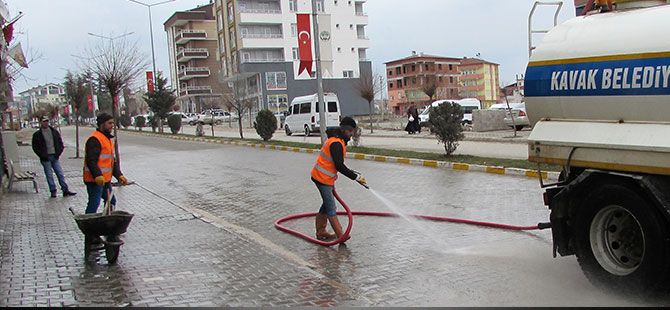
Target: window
<point>413,68</point>
<point>451,79</point>
<point>278,103</point>
<point>233,38</point>
<point>332,107</point>
<point>296,109</point>
<point>399,83</point>
<point>219,21</point>
<point>294,30</point>
<point>275,80</point>
<point>397,71</point>
<point>296,53</point>
<point>320,6</point>
<point>222,45</point>
<point>426,67</point>
<point>390,72</point>
<point>414,80</point>
<point>391,85</point>
<point>440,79</point>
<point>306,108</point>
<point>246,57</point>
<point>293,5</point>
<point>451,67</point>
<point>348,74</point>
<point>231,13</point>
<point>439,66</point>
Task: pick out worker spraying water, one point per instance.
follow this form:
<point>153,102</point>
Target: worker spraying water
<point>324,175</point>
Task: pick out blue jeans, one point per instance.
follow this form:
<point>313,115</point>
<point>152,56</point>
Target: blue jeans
<point>95,193</point>
<point>51,166</point>
<point>328,207</point>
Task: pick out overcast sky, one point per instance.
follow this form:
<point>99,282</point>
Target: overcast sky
<point>495,29</point>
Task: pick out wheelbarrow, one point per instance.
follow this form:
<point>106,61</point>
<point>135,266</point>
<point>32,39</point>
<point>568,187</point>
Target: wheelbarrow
<point>110,224</point>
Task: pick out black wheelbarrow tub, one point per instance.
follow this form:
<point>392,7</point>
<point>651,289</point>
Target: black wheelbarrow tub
<point>98,224</point>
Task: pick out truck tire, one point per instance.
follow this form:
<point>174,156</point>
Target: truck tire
<point>621,240</point>
<point>307,131</point>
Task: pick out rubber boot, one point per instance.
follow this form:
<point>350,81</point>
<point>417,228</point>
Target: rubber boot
<point>321,225</point>
<point>335,223</point>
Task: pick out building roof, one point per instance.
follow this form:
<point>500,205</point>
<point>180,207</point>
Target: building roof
<point>418,56</point>
<point>475,61</point>
<point>200,13</point>
<point>39,87</point>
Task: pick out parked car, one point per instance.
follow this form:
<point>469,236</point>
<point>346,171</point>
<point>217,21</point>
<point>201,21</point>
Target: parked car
<point>304,114</point>
<point>468,105</point>
<point>520,116</point>
<point>218,116</point>
<point>185,119</point>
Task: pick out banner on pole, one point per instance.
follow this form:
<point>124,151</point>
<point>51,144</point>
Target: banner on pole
<point>90,103</point>
<point>150,82</point>
<point>305,43</point>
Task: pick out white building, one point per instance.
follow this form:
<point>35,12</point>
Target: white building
<point>258,40</point>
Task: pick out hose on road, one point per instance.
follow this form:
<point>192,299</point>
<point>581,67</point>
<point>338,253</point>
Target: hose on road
<point>350,214</point>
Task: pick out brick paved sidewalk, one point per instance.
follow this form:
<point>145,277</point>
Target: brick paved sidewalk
<point>170,257</point>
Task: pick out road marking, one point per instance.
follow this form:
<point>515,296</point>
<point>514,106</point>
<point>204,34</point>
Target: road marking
<point>380,158</point>
<point>405,161</point>
<point>496,170</point>
<point>430,163</point>
<point>460,167</point>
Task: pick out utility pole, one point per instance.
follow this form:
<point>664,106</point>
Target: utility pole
<point>319,78</point>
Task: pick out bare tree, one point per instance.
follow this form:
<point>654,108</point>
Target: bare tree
<point>77,92</point>
<point>233,102</point>
<point>368,87</point>
<point>430,89</point>
<point>116,65</point>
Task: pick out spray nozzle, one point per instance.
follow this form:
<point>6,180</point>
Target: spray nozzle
<point>364,184</point>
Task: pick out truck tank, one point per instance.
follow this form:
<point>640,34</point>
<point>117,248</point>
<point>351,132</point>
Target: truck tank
<point>598,92</point>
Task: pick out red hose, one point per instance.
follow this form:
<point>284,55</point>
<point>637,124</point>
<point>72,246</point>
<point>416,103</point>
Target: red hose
<point>350,214</point>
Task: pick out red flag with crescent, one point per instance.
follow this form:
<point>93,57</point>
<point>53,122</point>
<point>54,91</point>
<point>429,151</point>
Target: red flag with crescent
<point>90,103</point>
<point>305,43</point>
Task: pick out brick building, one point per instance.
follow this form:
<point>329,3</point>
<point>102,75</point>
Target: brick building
<point>407,78</point>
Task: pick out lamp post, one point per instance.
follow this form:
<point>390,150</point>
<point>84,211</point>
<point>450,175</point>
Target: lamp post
<point>151,30</point>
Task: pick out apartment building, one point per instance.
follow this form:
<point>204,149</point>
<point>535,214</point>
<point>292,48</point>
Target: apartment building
<point>259,54</point>
<point>409,76</point>
<point>194,62</point>
<point>42,95</point>
<point>479,79</point>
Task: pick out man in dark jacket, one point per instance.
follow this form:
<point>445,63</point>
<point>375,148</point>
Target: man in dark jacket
<point>48,146</point>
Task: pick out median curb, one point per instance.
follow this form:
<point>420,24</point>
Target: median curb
<point>551,175</point>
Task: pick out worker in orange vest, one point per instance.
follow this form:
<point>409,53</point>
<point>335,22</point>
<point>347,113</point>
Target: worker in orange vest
<point>324,174</point>
<point>99,164</point>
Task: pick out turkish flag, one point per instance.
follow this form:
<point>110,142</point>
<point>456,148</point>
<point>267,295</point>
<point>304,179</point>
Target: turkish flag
<point>150,82</point>
<point>90,103</point>
<point>305,43</point>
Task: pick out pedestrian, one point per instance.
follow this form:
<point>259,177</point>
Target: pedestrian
<point>48,145</point>
<point>99,164</point>
<point>413,124</point>
<point>199,130</point>
<point>324,175</point>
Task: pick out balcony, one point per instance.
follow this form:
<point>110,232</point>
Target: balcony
<point>186,35</point>
<point>193,72</point>
<point>262,36</point>
<point>195,90</point>
<point>192,53</point>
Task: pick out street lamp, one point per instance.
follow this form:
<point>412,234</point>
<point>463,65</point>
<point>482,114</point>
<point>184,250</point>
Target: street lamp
<point>151,30</point>
<point>111,39</point>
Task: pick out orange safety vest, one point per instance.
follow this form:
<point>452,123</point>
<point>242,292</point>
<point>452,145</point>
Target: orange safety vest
<point>324,171</point>
<point>106,159</point>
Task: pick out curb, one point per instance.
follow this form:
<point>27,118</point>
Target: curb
<point>388,159</point>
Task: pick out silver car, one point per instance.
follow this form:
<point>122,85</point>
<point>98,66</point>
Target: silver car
<point>520,116</point>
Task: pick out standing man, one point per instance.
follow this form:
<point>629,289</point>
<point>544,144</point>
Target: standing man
<point>48,146</point>
<point>324,175</point>
<point>99,164</point>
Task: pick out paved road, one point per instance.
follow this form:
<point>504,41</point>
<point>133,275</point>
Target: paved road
<point>389,261</point>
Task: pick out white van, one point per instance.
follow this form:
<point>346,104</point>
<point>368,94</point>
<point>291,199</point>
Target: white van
<point>303,114</point>
<point>468,105</point>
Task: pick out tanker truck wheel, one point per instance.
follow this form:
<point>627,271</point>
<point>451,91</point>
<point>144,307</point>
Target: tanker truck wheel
<point>621,240</point>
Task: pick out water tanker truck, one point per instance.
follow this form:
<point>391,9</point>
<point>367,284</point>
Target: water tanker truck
<point>598,96</point>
